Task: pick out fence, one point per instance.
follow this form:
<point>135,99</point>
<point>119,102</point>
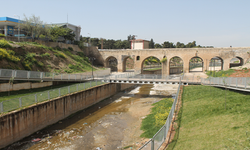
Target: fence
<point>48,76</point>
<point>12,104</point>
<point>156,141</point>
<point>232,82</point>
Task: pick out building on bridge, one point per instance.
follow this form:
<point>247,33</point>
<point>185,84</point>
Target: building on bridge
<point>139,44</point>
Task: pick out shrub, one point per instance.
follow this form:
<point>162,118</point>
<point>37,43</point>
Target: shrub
<point>40,64</point>
<point>163,60</point>
<point>4,44</point>
<point>80,54</point>
<point>9,55</point>
<point>2,35</point>
<point>70,48</point>
<point>60,54</point>
<point>45,55</point>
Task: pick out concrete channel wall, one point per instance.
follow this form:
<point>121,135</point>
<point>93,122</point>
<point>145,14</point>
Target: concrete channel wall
<point>19,124</point>
<point>21,86</point>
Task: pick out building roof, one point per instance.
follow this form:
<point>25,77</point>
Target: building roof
<point>139,40</point>
<point>62,24</point>
<point>4,19</point>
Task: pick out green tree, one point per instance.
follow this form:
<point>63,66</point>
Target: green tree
<point>191,44</point>
<point>157,45</point>
<point>70,35</point>
<point>151,44</point>
<point>180,45</point>
<point>56,32</point>
<point>168,44</point>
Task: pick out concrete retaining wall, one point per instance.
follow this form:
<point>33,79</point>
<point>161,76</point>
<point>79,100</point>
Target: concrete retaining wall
<point>17,125</point>
<point>4,87</point>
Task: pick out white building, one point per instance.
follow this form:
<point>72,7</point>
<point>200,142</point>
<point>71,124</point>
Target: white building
<point>139,44</point>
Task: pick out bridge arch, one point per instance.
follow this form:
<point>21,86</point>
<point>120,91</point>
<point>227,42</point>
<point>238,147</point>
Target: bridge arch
<point>128,64</point>
<point>236,61</point>
<point>196,64</point>
<point>151,65</point>
<point>175,65</point>
<point>112,63</point>
<point>215,64</point>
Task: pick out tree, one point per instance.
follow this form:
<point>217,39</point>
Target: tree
<point>168,45</point>
<point>69,35</point>
<point>157,45</point>
<point>56,32</point>
<point>180,45</point>
<point>151,44</point>
<point>34,26</point>
<point>191,44</point>
<point>130,37</point>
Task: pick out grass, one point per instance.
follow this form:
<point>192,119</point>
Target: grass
<point>151,124</point>
<point>220,73</point>
<point>152,69</point>
<point>206,124</point>
<point>28,96</point>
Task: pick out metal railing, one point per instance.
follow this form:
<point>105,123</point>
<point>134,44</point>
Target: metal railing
<point>48,76</point>
<point>241,83</point>
<point>16,103</point>
<point>156,141</point>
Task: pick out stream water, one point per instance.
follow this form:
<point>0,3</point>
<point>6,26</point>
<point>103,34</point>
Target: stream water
<point>111,124</point>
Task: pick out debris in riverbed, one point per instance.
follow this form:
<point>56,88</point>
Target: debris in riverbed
<point>119,100</point>
<point>36,140</point>
<point>98,148</point>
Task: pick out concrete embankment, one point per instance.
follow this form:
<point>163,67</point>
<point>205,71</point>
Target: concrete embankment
<point>19,124</point>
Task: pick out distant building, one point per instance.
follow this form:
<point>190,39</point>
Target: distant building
<point>139,44</point>
<point>9,27</point>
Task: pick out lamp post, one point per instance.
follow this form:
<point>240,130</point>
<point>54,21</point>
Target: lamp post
<point>92,59</point>
<point>18,27</point>
<point>89,37</point>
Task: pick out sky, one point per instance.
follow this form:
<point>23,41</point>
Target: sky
<point>218,23</point>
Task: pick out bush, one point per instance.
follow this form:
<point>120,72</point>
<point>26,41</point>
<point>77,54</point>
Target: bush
<point>70,48</point>
<point>2,35</point>
<point>40,64</point>
<point>60,54</point>
<point>4,44</point>
<point>9,55</point>
<point>45,55</point>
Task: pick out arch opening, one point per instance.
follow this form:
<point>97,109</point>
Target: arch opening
<point>196,64</point>
<point>175,65</point>
<point>151,65</point>
<point>236,62</point>
<point>128,64</point>
<point>215,64</point>
<point>111,62</point>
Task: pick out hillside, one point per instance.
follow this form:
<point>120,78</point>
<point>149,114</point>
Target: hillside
<point>36,57</point>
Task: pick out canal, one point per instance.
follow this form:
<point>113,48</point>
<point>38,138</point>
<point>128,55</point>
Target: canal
<point>111,124</point>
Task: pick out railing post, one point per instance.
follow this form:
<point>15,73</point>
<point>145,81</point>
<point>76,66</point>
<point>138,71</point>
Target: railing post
<point>1,107</point>
<point>236,82</point>
<point>95,82</point>
<point>36,98</point>
<point>59,92</point>
<point>28,74</point>
<point>90,84</point>
<point>20,102</point>
<point>152,144</point>
<point>68,89</point>
<point>165,132</point>
<point>84,86</point>
<point>0,72</point>
<point>245,83</point>
<point>75,77</point>
<point>61,76</point>
<point>53,76</point>
<point>230,80</point>
<point>68,76</point>
<point>48,96</point>
<point>41,75</point>
<point>77,87</point>
<point>81,77</point>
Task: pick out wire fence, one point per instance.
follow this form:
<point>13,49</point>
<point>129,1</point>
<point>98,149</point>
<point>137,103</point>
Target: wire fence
<point>157,140</point>
<point>233,82</point>
<point>16,103</point>
<point>49,76</point>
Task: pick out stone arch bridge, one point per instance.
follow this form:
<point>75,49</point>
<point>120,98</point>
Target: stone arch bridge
<point>206,54</point>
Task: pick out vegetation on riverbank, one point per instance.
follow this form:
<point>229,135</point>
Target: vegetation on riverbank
<point>204,123</point>
<point>221,73</point>
<point>157,118</point>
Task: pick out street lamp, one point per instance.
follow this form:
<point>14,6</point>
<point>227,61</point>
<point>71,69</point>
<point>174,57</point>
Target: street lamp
<point>18,27</point>
<point>89,37</point>
<point>92,59</point>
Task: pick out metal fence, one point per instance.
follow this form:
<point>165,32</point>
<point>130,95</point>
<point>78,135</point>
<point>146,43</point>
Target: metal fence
<point>12,104</point>
<point>156,141</point>
<point>233,82</point>
<point>48,76</point>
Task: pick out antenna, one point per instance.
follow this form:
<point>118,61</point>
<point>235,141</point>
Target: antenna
<point>67,19</point>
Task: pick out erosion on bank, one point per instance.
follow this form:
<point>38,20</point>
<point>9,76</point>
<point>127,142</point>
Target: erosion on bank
<point>206,124</point>
<point>37,57</point>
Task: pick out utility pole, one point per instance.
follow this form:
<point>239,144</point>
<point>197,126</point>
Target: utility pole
<point>18,28</point>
